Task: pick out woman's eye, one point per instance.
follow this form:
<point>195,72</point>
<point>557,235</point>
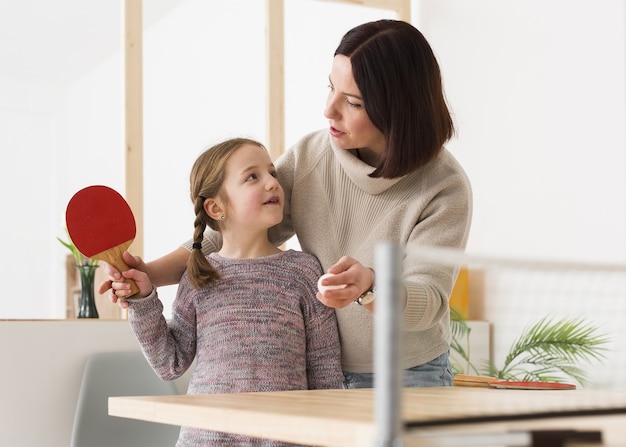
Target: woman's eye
<point>351,104</point>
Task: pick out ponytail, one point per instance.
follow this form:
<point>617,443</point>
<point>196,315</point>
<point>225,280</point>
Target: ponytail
<point>201,272</point>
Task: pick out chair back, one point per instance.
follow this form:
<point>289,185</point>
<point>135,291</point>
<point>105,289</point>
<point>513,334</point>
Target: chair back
<point>119,374</point>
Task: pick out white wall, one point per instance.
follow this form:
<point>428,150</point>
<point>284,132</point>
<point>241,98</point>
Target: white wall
<point>42,372</point>
<point>28,178</point>
<point>538,90</point>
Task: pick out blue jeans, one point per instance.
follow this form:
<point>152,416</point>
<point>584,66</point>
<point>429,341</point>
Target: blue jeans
<point>437,372</point>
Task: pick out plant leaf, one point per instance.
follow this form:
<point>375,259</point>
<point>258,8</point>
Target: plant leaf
<point>548,350</point>
<point>79,259</point>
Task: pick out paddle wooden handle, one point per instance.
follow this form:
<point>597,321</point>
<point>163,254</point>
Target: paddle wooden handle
<point>113,257</point>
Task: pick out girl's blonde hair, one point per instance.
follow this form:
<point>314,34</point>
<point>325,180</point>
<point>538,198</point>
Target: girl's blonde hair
<point>205,181</point>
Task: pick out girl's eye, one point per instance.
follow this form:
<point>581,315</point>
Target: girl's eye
<point>251,177</point>
<point>274,174</point>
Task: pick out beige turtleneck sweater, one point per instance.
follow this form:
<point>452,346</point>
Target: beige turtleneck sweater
<point>335,209</point>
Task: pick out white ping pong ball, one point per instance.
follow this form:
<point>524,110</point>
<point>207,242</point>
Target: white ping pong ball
<point>322,288</point>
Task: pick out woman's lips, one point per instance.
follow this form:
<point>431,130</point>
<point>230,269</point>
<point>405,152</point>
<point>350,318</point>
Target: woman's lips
<point>334,132</point>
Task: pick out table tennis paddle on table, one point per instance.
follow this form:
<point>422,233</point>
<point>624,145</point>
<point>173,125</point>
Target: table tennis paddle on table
<point>531,385</point>
<point>494,382</point>
<point>102,226</point>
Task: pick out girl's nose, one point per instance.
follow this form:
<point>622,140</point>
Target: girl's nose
<point>273,183</point>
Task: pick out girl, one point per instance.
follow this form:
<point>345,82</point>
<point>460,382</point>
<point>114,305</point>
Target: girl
<point>248,313</point>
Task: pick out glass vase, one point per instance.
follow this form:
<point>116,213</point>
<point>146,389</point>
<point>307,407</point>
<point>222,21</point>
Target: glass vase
<point>87,301</point>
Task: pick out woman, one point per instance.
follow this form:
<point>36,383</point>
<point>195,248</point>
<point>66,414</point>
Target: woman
<point>379,173</point>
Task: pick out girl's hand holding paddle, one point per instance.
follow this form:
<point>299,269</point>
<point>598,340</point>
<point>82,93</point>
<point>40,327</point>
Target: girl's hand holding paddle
<point>143,283</point>
<point>117,283</point>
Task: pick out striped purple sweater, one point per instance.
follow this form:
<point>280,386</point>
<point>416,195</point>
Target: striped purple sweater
<point>259,328</point>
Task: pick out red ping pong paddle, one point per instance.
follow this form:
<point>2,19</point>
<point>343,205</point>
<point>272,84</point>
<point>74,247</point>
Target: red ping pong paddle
<point>102,226</point>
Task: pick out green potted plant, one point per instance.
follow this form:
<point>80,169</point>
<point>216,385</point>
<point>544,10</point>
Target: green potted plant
<point>549,350</point>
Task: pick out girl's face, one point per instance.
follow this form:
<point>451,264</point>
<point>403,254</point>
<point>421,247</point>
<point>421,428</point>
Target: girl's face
<point>255,198</point>
<point>350,126</point>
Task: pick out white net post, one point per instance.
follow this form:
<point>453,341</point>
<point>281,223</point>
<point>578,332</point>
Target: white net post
<point>387,347</point>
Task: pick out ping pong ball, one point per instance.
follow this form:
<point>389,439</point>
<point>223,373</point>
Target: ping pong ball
<point>322,288</point>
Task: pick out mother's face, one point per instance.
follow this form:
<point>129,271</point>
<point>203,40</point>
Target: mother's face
<point>350,126</point>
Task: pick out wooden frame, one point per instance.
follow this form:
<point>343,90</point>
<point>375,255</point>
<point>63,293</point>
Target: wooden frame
<point>275,69</point>
<point>401,7</point>
<point>133,118</point>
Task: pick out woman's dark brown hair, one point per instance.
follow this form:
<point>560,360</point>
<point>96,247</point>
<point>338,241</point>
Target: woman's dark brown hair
<point>400,82</point>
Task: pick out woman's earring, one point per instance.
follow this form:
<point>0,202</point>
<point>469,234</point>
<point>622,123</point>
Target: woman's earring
<point>223,217</point>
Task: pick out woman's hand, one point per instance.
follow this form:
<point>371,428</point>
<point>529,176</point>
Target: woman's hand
<point>117,280</point>
<point>355,278</point>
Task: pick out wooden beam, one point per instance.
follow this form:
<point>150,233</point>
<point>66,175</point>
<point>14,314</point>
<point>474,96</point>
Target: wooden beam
<point>403,10</point>
<point>401,7</point>
<point>133,117</point>
<point>275,71</point>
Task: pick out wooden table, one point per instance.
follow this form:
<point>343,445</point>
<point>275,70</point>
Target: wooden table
<point>344,418</point>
